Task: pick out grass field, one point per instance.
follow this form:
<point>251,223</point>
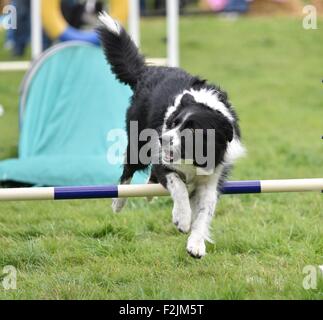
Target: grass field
<point>272,69</point>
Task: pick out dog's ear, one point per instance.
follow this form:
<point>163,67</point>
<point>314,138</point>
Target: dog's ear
<point>227,130</point>
<point>198,83</point>
<point>224,128</point>
<point>187,100</point>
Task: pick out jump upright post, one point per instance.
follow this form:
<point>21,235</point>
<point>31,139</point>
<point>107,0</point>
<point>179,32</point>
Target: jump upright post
<point>148,190</point>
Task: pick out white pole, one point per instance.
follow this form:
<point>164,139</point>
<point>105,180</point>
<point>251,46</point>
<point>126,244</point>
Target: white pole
<point>36,29</point>
<point>173,33</point>
<point>26,194</point>
<point>134,21</point>
<point>125,191</point>
<point>292,185</point>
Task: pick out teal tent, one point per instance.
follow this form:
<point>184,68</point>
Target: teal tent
<point>70,101</point>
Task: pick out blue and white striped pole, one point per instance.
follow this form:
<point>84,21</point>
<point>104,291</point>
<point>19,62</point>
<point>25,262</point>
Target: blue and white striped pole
<point>149,190</point>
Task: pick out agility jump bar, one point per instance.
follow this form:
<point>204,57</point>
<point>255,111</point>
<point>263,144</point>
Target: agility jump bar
<point>149,190</point>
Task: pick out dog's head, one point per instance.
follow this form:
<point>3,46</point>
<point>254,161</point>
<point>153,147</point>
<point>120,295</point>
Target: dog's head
<point>196,133</point>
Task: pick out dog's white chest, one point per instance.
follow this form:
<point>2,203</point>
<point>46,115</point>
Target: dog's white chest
<point>189,172</point>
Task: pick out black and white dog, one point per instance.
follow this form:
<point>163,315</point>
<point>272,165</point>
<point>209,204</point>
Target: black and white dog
<point>171,101</point>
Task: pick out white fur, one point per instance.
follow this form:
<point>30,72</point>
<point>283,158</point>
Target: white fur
<point>172,135</point>
<point>203,204</point>
<point>169,112</point>
<point>119,203</point>
<point>110,23</point>
<point>182,214</point>
<point>234,151</point>
<point>210,99</point>
<point>196,246</point>
<point>194,213</point>
<point>206,97</point>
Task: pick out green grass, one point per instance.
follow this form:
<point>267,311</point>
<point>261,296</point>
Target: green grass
<point>272,69</point>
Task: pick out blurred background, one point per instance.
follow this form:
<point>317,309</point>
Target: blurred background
<point>266,53</point>
<point>81,14</point>
<point>54,116</point>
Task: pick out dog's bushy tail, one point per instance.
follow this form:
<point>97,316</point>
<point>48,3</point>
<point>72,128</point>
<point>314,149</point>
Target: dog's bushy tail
<point>121,52</point>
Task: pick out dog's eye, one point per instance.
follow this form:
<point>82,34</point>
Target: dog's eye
<point>175,123</point>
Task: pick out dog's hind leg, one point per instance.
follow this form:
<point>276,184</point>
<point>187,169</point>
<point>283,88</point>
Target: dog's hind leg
<point>129,170</point>
<point>119,203</point>
<point>152,180</point>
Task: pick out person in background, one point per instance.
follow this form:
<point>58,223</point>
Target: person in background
<point>21,36</point>
<point>8,45</point>
<point>77,13</point>
<point>81,13</point>
<point>143,7</point>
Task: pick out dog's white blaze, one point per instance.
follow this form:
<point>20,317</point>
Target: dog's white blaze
<point>109,22</point>
<point>169,112</point>
<point>210,99</point>
<point>206,97</point>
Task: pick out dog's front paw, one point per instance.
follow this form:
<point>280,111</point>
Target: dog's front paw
<point>196,247</point>
<point>118,204</point>
<point>182,218</point>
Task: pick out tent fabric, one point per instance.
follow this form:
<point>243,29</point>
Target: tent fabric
<point>71,102</point>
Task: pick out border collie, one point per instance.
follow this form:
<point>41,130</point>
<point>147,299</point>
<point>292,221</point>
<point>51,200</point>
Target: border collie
<point>171,101</point>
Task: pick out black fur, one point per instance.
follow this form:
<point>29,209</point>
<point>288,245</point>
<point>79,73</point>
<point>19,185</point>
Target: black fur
<point>155,89</point>
<point>126,61</point>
